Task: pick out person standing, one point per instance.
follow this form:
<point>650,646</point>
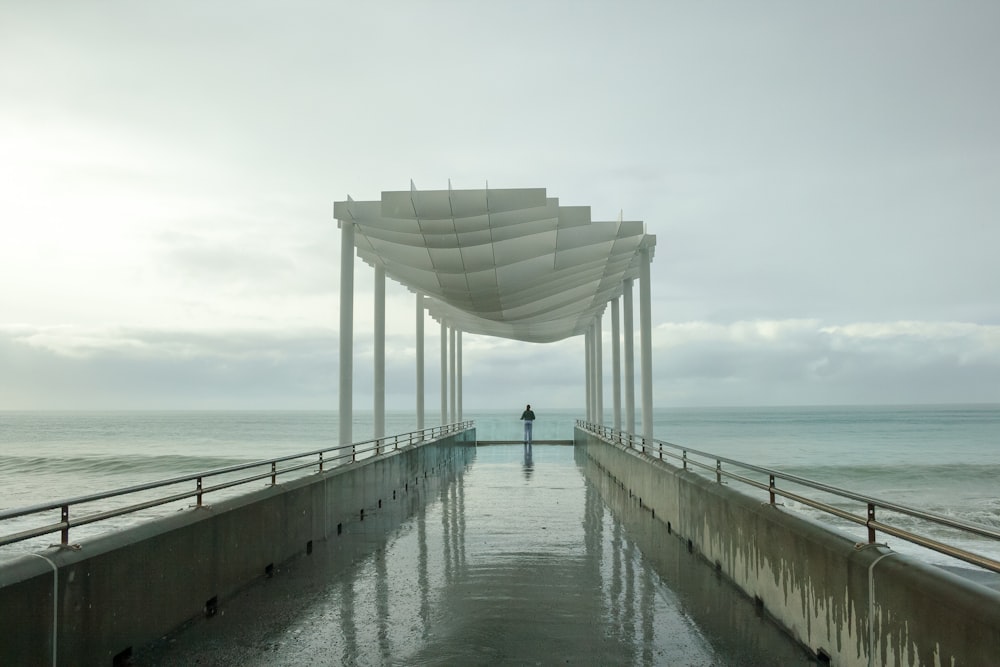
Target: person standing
<point>529,417</point>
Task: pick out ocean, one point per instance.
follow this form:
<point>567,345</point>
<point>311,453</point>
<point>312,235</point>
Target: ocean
<point>944,458</point>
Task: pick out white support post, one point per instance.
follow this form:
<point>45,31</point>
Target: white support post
<point>451,377</point>
<point>629,335</point>
<point>646,354</point>
<point>379,380</point>
<point>458,372</point>
<point>587,368</point>
<point>346,330</point>
<point>420,361</point>
<point>444,373</point>
<point>599,365</point>
<point>616,366</point>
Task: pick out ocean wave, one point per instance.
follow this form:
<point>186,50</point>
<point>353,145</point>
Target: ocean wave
<point>930,477</point>
<point>120,465</point>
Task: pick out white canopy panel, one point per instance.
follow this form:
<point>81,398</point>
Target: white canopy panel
<point>511,263</point>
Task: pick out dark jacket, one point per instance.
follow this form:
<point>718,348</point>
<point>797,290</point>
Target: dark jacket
<point>529,415</point>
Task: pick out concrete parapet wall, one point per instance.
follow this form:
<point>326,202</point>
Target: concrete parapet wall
<point>127,588</point>
<point>812,580</point>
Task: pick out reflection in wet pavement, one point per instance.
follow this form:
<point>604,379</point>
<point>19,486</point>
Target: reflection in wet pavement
<point>519,561</point>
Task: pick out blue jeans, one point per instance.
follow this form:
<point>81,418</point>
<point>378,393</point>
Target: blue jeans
<point>527,431</point>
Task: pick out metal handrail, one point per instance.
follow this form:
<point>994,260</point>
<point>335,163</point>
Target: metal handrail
<point>343,453</point>
<point>656,449</point>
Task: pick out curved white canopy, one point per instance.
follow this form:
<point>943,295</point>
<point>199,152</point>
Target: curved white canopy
<point>511,263</point>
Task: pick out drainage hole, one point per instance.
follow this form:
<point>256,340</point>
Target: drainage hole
<point>211,606</point>
<point>123,659</point>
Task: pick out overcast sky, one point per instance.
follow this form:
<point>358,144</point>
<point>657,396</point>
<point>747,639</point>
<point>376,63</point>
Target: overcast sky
<point>823,180</point>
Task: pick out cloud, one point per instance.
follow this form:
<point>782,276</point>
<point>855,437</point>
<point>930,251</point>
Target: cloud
<point>124,368</point>
<point>760,362</point>
<point>789,362</point>
<point>821,183</point>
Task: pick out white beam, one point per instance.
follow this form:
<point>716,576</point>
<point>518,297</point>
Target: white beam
<point>458,372</point>
<point>452,403</point>
<point>379,380</point>
<point>444,373</point>
<point>646,353</point>
<point>420,361</point>
<point>629,335</point>
<point>599,367</point>
<point>346,330</point>
<point>587,369</point>
<point>616,366</point>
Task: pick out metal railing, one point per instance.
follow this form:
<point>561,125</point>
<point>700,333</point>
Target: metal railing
<point>661,450</point>
<point>318,460</point>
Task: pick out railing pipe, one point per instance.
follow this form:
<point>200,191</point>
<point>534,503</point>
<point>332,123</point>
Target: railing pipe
<point>64,505</point>
<point>869,520</point>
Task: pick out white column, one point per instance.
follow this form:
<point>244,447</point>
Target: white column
<point>444,373</point>
<point>379,381</point>
<point>587,368</point>
<point>451,377</point>
<point>346,330</point>
<point>593,375</point>
<point>458,372</point>
<point>629,336</point>
<point>599,368</point>
<point>646,353</point>
<point>616,366</point>
<point>420,361</point>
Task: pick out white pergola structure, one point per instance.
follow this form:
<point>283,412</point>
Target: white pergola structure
<point>512,263</point>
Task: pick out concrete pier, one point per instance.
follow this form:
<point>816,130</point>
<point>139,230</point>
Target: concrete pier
<point>529,557</point>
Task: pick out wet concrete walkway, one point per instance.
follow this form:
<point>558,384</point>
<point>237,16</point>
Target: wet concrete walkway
<point>527,559</point>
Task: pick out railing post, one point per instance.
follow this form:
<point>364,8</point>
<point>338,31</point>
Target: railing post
<point>274,473</point>
<point>199,492</point>
<point>65,528</point>
<point>321,461</point>
<point>871,528</point>
<point>771,489</point>
<point>354,453</point>
<point>684,457</point>
<point>718,471</point>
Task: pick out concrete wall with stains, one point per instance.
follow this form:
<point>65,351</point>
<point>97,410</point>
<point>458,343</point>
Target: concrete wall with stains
<point>89,606</point>
<point>812,580</point>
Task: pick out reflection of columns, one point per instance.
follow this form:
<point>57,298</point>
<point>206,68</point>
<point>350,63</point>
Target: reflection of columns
<point>458,373</point>
<point>646,353</point>
<point>382,601</point>
<point>629,336</point>
<point>420,361</point>
<point>379,383</point>
<point>444,373</point>
<point>423,580</point>
<point>451,376</point>
<point>346,330</point>
<point>587,368</point>
<point>616,366</point>
<point>598,370</point>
